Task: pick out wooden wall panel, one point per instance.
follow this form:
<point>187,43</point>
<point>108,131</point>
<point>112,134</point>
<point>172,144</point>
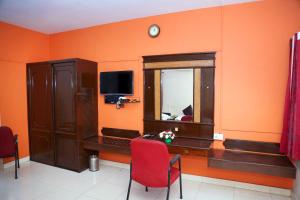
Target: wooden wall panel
<point>179,64</point>
<point>157,94</point>
<point>207,95</point>
<point>149,94</point>
<point>197,95</point>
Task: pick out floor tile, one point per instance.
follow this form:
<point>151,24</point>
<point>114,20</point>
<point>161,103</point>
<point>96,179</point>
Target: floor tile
<point>138,192</point>
<point>23,189</point>
<point>42,182</point>
<point>57,194</point>
<point>242,194</point>
<point>85,198</point>
<point>214,192</point>
<point>105,191</point>
<point>189,190</point>
<point>279,197</point>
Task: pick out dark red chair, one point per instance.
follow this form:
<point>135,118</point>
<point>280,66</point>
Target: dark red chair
<point>9,146</point>
<point>151,165</point>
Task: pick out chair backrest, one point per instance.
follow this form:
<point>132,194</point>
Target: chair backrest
<point>150,162</point>
<point>7,142</point>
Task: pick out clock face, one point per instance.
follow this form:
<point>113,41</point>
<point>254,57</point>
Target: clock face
<point>154,30</point>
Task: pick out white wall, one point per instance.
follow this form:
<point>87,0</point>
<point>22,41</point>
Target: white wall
<point>177,90</point>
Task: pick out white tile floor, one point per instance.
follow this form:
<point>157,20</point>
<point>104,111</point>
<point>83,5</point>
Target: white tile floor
<point>41,182</point>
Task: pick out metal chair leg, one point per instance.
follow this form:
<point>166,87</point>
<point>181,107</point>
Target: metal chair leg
<point>18,157</point>
<point>130,180</point>
<point>169,177</point>
<point>168,192</point>
<point>180,185</point>
<point>16,166</point>
<point>128,192</point>
<point>180,179</point>
<point>146,189</point>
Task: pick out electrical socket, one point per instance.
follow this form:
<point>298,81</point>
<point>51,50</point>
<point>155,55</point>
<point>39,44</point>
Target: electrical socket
<point>218,136</point>
<point>176,129</point>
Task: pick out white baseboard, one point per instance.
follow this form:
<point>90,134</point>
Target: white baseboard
<point>12,163</point>
<point>216,181</point>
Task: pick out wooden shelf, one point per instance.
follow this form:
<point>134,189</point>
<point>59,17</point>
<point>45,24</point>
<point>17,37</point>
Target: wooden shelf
<point>121,133</point>
<point>119,140</point>
<point>253,146</point>
<point>99,143</point>
<point>275,165</point>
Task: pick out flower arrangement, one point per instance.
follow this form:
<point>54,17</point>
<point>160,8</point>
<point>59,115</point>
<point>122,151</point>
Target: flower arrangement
<point>167,136</point>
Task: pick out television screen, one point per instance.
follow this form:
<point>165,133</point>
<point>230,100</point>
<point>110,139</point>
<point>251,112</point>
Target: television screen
<point>116,83</point>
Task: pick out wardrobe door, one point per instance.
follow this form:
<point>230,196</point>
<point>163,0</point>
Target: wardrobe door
<point>39,93</point>
<point>64,115</point>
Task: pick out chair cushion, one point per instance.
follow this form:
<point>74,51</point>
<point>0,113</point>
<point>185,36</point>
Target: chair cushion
<point>7,142</point>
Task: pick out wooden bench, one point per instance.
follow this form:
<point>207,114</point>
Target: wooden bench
<point>245,145</point>
<point>249,156</point>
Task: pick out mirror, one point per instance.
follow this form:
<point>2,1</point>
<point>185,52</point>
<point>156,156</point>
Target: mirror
<point>177,86</point>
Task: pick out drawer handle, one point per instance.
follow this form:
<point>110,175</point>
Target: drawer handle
<point>186,151</point>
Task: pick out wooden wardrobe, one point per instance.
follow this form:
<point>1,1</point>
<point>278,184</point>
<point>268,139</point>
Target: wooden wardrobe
<point>62,111</point>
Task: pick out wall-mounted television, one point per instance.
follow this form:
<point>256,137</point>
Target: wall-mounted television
<point>116,83</point>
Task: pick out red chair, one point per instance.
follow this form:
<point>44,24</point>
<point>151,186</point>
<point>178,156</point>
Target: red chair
<point>9,146</point>
<point>151,165</point>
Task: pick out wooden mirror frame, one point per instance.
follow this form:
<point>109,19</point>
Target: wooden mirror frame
<point>204,68</point>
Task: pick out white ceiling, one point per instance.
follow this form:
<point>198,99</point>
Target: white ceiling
<point>52,16</point>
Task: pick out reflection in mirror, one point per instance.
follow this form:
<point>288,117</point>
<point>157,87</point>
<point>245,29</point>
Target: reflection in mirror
<point>177,94</point>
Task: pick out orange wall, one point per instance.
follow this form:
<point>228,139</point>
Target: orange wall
<point>255,66</point>
<point>252,45</point>
<point>121,46</point>
<point>130,116</point>
<point>251,41</point>
<point>17,47</point>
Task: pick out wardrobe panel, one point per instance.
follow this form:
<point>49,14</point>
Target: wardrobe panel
<point>64,97</point>
<point>41,148</point>
<point>66,152</point>
<point>39,87</point>
<point>40,96</point>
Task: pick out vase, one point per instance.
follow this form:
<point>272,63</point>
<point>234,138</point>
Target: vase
<point>168,140</point>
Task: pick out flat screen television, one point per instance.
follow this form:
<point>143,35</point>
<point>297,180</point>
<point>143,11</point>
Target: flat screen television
<point>116,83</point>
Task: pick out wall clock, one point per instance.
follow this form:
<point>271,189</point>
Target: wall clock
<point>153,30</point>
